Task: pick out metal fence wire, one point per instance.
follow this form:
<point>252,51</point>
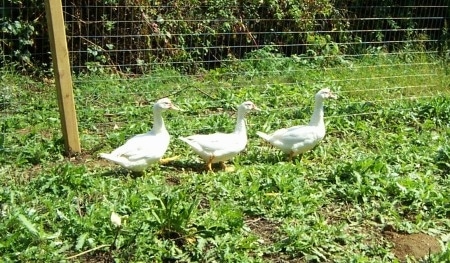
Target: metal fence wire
<point>136,39</point>
<point>141,37</point>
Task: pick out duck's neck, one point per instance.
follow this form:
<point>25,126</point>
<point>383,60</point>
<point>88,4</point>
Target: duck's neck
<point>158,122</point>
<point>240,124</point>
<point>317,116</point>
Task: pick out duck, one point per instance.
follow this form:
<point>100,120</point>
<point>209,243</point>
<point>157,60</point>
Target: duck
<point>141,150</point>
<point>220,147</point>
<point>299,139</point>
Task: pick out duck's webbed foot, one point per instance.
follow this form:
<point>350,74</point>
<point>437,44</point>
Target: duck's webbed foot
<point>209,164</point>
<point>168,160</point>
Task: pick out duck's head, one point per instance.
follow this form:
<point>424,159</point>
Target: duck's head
<point>247,106</point>
<point>165,104</point>
<point>325,93</point>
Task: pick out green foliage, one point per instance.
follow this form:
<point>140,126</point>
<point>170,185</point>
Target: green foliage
<point>170,33</point>
<point>182,35</point>
<point>29,143</point>
<point>442,160</point>
<point>383,164</point>
<point>22,25</point>
<point>173,214</point>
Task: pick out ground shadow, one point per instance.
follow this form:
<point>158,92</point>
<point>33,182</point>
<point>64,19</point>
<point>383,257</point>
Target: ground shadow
<point>183,166</point>
<point>122,172</point>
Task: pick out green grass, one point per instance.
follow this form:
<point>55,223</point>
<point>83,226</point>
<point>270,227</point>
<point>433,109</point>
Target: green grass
<point>383,164</point>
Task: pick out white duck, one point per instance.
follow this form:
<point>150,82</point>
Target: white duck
<point>220,147</point>
<point>302,138</point>
<point>144,149</point>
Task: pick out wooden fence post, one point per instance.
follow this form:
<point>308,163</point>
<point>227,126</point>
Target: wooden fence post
<point>63,77</point>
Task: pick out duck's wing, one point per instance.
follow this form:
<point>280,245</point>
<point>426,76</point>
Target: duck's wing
<point>295,135</point>
<point>213,142</point>
<point>130,145</point>
<point>287,132</point>
<point>141,146</point>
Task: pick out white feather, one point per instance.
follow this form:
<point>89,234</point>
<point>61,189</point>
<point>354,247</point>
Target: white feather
<point>220,147</point>
<point>302,138</point>
<point>137,153</point>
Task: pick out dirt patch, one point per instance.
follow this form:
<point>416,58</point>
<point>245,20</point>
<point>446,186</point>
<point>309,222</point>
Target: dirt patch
<point>183,167</point>
<point>97,257</point>
<point>281,258</point>
<point>264,228</point>
<point>32,172</point>
<point>416,245</point>
<point>173,180</point>
<point>88,159</point>
<point>267,231</point>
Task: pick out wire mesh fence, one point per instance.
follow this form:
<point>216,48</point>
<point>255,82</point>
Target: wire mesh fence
<point>143,45</point>
<point>146,39</point>
<point>139,38</point>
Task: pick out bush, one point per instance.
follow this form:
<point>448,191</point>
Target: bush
<point>176,31</point>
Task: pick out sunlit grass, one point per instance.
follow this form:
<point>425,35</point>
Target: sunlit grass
<point>383,164</point>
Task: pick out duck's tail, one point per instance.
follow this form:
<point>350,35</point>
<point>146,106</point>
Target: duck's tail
<point>263,135</point>
<point>186,140</point>
<point>114,158</point>
<point>191,143</point>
